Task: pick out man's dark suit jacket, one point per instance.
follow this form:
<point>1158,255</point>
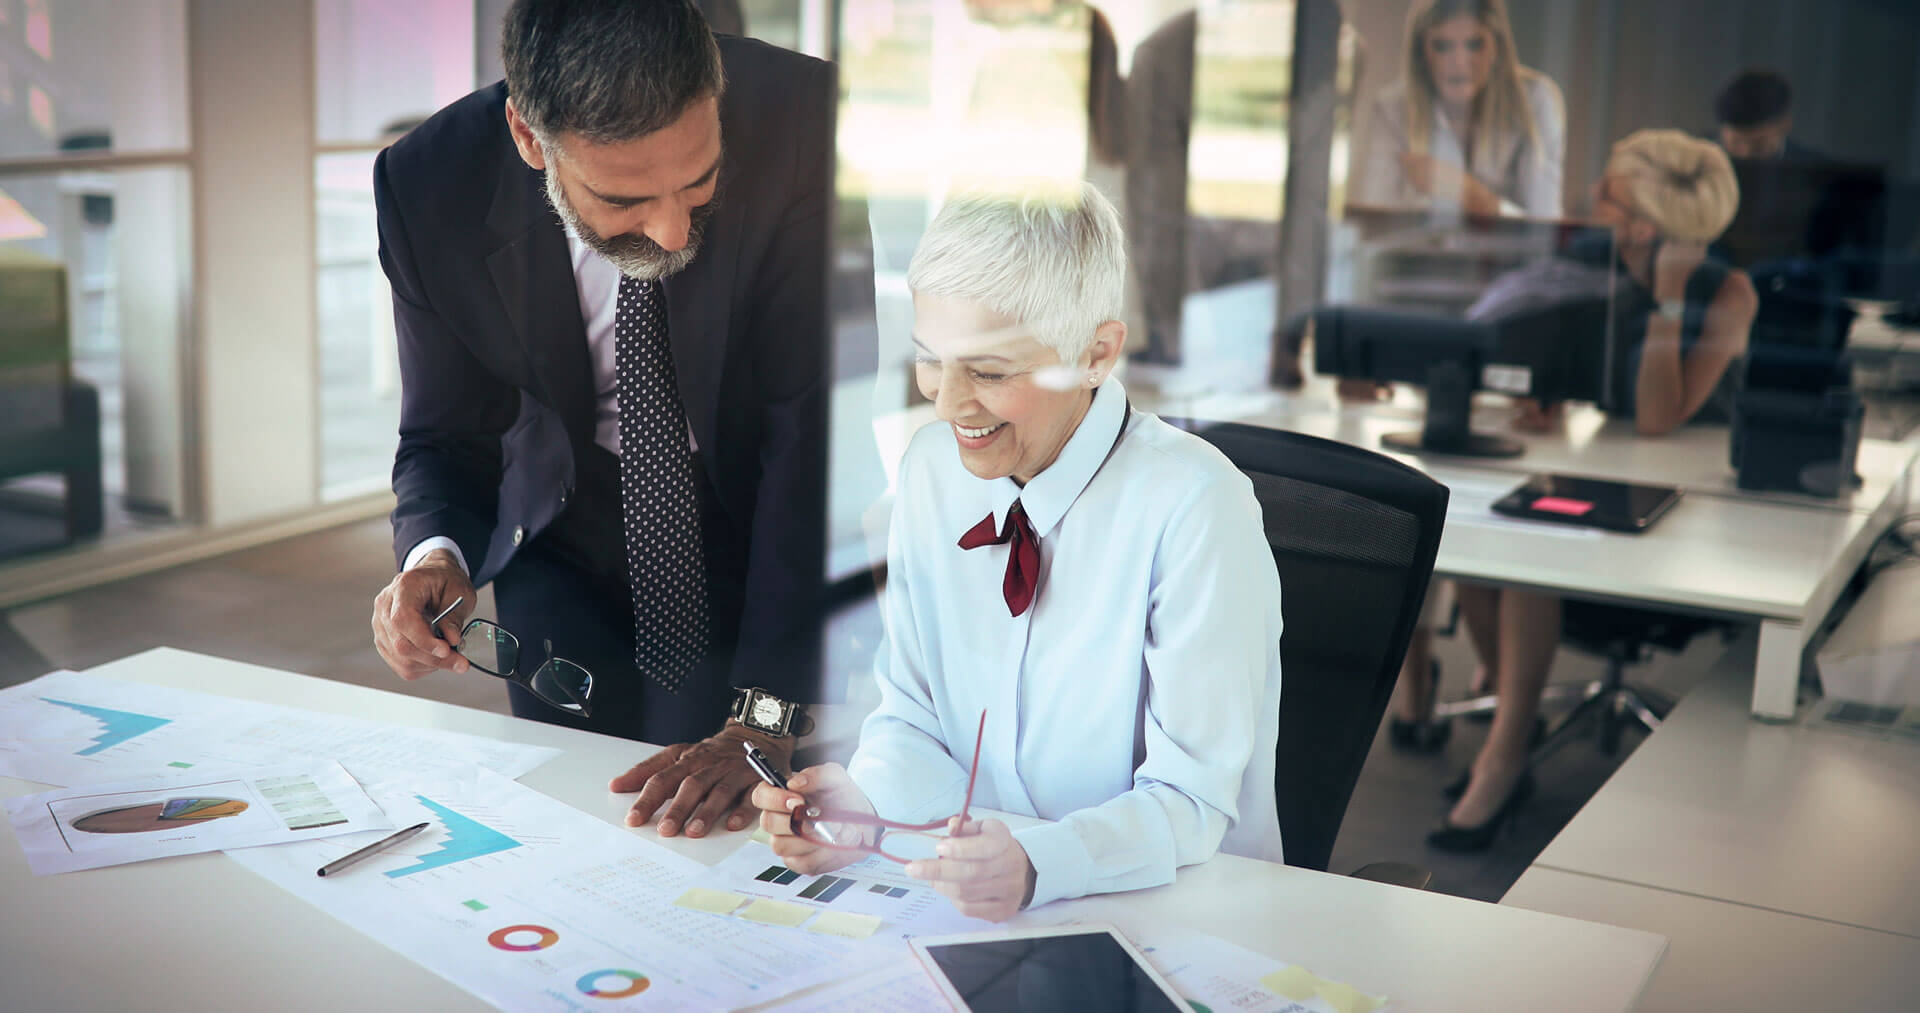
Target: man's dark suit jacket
<point>498,393</point>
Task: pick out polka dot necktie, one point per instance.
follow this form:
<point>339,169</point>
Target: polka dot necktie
<point>666,567</point>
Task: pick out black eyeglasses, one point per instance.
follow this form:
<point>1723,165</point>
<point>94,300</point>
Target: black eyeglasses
<point>557,682</point>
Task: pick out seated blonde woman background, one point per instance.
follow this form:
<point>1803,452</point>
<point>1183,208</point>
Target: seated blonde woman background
<point>1093,579</point>
<point>1681,322</point>
<point>1466,125</point>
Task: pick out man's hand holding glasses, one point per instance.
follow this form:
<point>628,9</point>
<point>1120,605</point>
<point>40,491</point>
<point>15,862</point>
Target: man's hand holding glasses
<point>408,642</point>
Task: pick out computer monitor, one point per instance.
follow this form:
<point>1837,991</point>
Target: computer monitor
<point>1446,356</point>
<point>1539,324</point>
<point>1847,225</point>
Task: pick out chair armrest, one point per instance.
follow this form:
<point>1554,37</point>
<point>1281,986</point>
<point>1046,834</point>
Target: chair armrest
<point>1413,877</point>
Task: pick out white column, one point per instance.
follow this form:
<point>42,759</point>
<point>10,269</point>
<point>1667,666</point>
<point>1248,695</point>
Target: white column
<point>152,248</point>
<point>255,367</point>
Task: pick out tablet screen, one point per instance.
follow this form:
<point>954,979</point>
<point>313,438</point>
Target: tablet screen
<point>1040,975</point>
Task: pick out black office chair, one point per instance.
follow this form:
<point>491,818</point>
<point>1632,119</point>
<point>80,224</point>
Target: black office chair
<point>1620,636</point>
<point>1354,535</point>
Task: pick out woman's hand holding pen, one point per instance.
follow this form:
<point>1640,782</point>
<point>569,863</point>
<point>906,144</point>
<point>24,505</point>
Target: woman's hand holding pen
<point>982,868</point>
<point>827,786</point>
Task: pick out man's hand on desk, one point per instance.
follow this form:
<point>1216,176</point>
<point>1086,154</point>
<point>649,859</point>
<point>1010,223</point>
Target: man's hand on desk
<point>693,784</point>
<point>402,609</point>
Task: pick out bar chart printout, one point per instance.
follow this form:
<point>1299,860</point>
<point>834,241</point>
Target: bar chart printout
<point>532,905</point>
<point>116,726</point>
<point>75,728</point>
<point>873,886</point>
<point>463,838</point>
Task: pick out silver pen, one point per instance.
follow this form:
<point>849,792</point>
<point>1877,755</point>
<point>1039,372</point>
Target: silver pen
<point>348,861</point>
<point>762,766</point>
<point>435,621</point>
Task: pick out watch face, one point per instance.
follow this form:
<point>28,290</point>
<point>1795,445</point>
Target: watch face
<point>765,712</point>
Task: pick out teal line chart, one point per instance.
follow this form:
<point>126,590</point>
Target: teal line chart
<point>119,726</point>
<point>466,838</point>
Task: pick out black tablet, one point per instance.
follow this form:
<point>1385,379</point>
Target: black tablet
<point>1589,502</point>
<point>1062,968</point>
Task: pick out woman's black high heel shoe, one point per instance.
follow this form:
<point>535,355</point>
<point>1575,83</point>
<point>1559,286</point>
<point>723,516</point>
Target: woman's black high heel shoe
<point>1466,840</point>
<point>1458,786</point>
<point>1429,736</point>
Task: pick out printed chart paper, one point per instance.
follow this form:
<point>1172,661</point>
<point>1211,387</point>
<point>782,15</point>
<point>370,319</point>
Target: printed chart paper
<point>156,817</point>
<point>906,907</point>
<point>70,728</point>
<point>533,905</point>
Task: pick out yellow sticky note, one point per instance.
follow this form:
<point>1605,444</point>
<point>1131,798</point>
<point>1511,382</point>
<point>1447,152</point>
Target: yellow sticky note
<point>776,912</point>
<point>1346,998</point>
<point>1299,984</point>
<point>717,901</point>
<point>1296,983</point>
<point>842,923</point>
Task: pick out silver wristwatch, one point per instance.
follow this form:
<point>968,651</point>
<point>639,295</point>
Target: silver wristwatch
<point>763,712</point>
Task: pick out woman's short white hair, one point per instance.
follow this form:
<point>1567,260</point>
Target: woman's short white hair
<point>1054,261</point>
<point>1682,184</point>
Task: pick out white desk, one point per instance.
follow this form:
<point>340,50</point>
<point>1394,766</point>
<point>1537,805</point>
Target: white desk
<point>1779,566</point>
<point>1873,341</point>
<point>1734,957</point>
<point>1779,859</point>
<point>200,932</point>
<point>1778,560</point>
<point>1692,458</point>
<point>1796,819</point>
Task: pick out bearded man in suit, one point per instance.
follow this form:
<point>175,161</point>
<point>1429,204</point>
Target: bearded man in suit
<point>609,284</point>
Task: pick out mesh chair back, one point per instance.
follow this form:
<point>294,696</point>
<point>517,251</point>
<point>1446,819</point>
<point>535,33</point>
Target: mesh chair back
<point>1354,536</point>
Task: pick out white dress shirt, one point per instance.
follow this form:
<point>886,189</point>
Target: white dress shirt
<point>1525,178</point>
<point>1136,702</point>
<point>597,282</point>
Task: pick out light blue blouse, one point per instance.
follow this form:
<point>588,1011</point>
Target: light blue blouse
<point>1137,701</point>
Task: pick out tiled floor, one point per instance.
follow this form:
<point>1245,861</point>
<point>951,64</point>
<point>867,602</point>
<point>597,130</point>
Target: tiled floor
<point>303,605</point>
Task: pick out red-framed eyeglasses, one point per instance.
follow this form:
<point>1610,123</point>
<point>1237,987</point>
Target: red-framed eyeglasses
<point>898,842</point>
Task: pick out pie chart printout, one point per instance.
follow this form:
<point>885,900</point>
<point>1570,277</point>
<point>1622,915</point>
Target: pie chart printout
<point>172,814</point>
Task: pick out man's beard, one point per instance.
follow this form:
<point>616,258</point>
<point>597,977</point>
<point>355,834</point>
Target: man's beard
<point>632,254</point>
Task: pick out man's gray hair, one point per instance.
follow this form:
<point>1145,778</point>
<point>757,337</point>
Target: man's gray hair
<point>607,70</point>
<point>1055,262</point>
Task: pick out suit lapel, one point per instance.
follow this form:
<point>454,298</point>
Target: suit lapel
<point>533,274</point>
<point>699,303</point>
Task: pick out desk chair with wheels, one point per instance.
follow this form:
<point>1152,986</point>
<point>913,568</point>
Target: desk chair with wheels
<point>1354,536</point>
<point>1620,636</point>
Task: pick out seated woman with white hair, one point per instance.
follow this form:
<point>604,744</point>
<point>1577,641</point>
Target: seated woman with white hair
<point>1095,581</point>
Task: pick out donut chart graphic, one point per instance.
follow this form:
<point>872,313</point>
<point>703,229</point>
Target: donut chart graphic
<point>636,983</point>
<point>172,814</point>
<point>498,940</point>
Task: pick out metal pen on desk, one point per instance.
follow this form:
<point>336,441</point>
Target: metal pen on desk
<point>348,861</point>
<point>764,767</point>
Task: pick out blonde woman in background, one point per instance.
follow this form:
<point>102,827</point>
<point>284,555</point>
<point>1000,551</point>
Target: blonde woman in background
<point>1466,125</point>
<point>1682,320</point>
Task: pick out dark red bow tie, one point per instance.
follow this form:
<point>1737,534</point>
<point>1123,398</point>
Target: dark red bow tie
<point>1023,563</point>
